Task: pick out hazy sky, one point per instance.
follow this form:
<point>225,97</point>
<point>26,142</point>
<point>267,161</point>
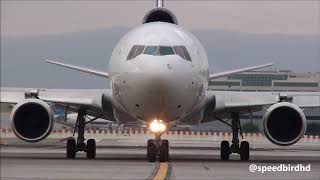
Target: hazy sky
<point>26,17</point>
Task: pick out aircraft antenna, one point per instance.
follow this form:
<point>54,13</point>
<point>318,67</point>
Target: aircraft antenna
<point>160,3</point>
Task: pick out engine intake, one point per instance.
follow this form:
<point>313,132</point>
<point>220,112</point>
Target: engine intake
<point>284,123</point>
<point>160,14</point>
<point>32,120</point>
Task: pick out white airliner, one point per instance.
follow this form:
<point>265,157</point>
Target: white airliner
<point>159,75</point>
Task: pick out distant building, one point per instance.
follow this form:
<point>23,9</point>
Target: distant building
<point>283,80</point>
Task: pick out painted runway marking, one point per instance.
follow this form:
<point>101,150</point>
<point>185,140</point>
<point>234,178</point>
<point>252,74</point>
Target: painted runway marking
<point>163,172</point>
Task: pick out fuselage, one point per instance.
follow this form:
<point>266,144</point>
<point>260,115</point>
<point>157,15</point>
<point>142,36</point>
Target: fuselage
<point>158,83</point>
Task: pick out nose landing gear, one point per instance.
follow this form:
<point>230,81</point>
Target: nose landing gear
<point>158,147</point>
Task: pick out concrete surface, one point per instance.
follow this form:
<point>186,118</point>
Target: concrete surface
<point>47,161</point>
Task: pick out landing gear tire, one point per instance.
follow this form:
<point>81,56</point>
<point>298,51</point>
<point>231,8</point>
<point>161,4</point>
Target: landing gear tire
<point>91,149</point>
<point>151,151</point>
<point>244,151</point>
<point>164,151</point>
<point>71,148</point>
<point>224,150</point>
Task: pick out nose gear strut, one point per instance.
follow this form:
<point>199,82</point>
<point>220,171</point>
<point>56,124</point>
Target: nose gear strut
<point>158,148</point>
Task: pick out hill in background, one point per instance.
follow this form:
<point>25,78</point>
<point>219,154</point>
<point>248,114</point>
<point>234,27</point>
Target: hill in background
<point>22,58</point>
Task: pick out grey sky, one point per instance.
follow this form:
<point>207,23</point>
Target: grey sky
<point>21,18</point>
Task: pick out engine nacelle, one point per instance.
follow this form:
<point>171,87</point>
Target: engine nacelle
<point>284,123</point>
<point>160,14</point>
<point>32,120</point>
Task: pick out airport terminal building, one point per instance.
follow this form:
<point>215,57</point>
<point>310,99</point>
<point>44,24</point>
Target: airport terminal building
<point>283,80</point>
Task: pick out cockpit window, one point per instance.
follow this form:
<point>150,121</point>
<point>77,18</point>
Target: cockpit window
<point>152,50</point>
<point>185,53</point>
<point>136,50</point>
<point>132,51</point>
<point>165,50</point>
<point>182,52</point>
<point>178,51</point>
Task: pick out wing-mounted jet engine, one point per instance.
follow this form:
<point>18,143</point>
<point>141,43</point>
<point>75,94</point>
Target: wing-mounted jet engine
<point>284,123</point>
<point>32,120</point>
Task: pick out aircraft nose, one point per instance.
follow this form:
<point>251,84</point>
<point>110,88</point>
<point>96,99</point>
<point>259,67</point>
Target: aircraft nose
<point>161,64</point>
<point>158,95</point>
<point>158,89</point>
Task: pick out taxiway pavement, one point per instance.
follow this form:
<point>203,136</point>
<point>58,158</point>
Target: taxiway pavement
<point>46,161</point>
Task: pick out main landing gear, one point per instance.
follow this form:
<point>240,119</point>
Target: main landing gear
<point>73,146</point>
<point>158,147</point>
<point>243,149</point>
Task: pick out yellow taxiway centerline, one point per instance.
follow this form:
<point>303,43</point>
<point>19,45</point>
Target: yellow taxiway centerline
<point>162,172</point>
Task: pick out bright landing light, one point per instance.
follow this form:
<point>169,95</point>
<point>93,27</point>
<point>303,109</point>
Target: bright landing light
<point>157,126</point>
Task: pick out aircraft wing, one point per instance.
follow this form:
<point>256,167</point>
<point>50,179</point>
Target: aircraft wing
<point>92,100</point>
<point>237,71</point>
<point>244,102</point>
<point>79,68</point>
